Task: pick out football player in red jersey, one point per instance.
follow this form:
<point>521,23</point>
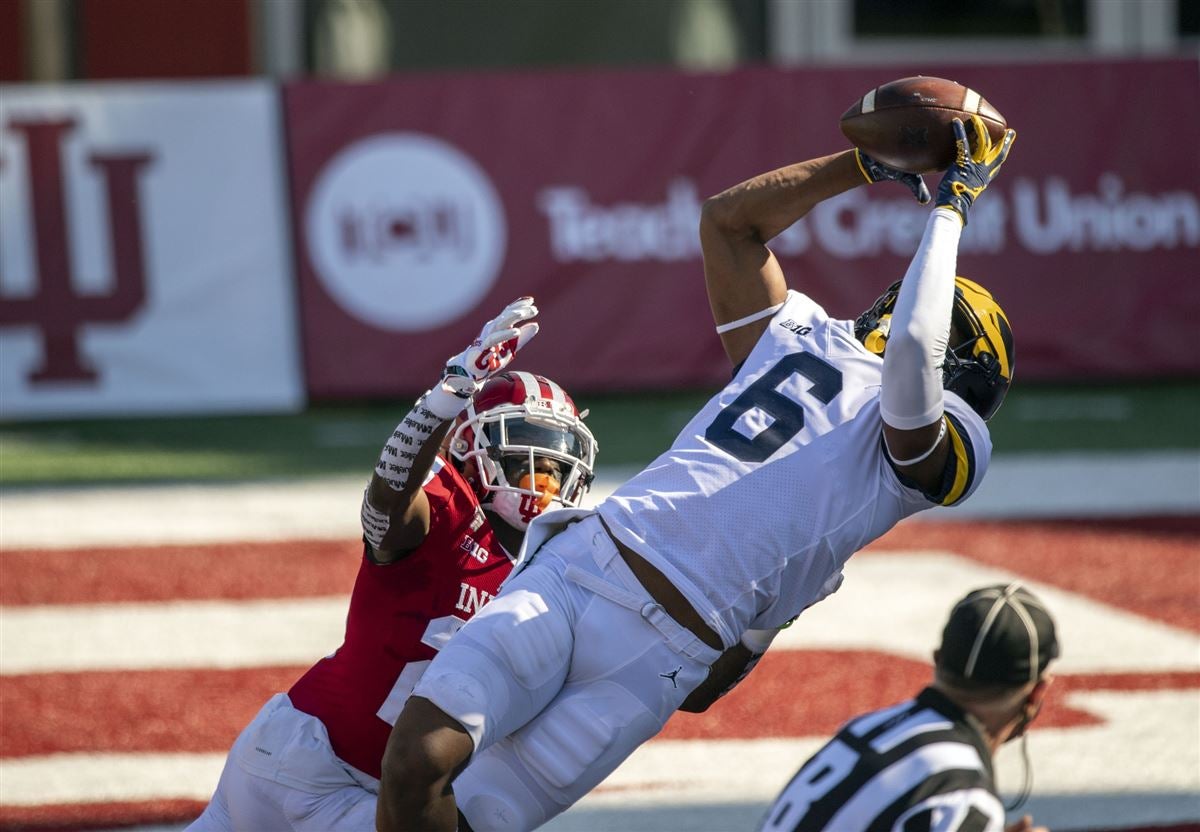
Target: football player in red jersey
<point>480,455</point>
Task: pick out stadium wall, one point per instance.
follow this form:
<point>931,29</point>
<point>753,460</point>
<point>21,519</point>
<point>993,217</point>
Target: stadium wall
<point>418,205</point>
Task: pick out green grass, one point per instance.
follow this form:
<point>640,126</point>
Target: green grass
<point>345,439</point>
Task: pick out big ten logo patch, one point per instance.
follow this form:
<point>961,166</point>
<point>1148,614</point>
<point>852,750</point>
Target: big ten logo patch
<point>46,168</point>
<point>473,549</point>
<point>405,231</point>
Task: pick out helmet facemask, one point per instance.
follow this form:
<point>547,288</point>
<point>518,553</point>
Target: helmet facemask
<point>526,459</point>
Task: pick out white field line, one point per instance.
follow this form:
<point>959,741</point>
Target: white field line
<point>897,603</point>
<point>1142,728</point>
<point>1036,485</point>
<point>143,515</point>
<point>101,778</point>
<point>892,603</point>
<point>1017,485</point>
<point>1139,748</point>
<point>160,636</point>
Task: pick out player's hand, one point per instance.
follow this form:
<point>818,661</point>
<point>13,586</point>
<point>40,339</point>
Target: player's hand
<point>493,350</point>
<point>1025,824</point>
<point>971,172</point>
<point>876,171</point>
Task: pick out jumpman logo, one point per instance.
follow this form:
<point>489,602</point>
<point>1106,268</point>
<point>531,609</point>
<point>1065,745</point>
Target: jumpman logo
<point>672,676</point>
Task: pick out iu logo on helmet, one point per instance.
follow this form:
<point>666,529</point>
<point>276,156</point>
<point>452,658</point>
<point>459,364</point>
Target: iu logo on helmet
<point>530,507</point>
<point>55,308</point>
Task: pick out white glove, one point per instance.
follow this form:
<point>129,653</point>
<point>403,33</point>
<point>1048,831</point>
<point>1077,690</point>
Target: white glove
<point>493,350</point>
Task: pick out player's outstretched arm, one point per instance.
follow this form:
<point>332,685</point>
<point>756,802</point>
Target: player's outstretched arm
<point>911,396</point>
<point>743,277</point>
<point>395,510</point>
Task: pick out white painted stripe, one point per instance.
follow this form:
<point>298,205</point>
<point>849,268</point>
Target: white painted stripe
<point>971,101</point>
<point>1144,725</point>
<point>1130,484</point>
<point>216,634</point>
<point>1156,758</point>
<point>102,778</point>
<point>868,102</point>
<point>1016,485</point>
<point>898,603</point>
<point>894,603</point>
<point>322,509</point>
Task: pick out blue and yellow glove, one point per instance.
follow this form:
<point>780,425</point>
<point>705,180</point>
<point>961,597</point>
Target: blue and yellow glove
<point>971,172</point>
<point>875,171</point>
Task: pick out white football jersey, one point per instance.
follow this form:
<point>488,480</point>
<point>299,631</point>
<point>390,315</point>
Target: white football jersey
<point>781,477</point>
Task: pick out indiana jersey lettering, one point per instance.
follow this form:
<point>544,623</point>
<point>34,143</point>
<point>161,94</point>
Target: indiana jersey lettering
<point>400,616</point>
<point>922,764</point>
<point>782,476</point>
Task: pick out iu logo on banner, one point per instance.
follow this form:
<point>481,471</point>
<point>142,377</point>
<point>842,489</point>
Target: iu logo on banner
<point>55,306</point>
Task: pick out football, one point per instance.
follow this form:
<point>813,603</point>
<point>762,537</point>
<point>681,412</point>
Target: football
<point>906,123</point>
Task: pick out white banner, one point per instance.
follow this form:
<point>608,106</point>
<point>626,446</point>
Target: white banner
<point>144,251</point>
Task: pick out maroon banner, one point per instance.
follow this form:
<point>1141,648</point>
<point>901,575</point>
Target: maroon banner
<point>424,204</point>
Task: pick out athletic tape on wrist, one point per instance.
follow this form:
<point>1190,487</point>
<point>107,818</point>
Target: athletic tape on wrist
<point>400,452</point>
<point>374,522</point>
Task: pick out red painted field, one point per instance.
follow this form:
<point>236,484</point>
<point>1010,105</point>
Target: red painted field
<point>112,718</point>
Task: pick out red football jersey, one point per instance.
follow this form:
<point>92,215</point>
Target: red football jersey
<point>400,616</point>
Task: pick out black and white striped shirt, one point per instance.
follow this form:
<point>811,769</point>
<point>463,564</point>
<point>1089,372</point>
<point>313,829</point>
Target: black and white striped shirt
<point>920,766</point>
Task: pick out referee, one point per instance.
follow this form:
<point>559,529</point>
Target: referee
<point>926,764</point>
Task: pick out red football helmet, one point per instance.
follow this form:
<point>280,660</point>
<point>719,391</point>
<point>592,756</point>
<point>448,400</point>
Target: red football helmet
<point>523,446</point>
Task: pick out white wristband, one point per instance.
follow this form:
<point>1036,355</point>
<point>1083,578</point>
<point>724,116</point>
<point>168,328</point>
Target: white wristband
<point>444,403</point>
<point>920,457</point>
<point>749,319</point>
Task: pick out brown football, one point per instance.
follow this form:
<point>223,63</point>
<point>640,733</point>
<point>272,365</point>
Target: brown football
<point>906,123</point>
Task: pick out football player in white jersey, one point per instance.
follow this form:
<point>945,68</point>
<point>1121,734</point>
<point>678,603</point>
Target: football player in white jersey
<point>830,432</point>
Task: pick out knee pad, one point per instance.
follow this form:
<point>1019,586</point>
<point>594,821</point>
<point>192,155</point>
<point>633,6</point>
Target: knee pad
<point>491,798</point>
<point>579,740</point>
<point>532,640</point>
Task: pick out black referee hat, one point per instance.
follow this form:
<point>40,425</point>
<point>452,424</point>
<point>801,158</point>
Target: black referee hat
<point>1001,634</point>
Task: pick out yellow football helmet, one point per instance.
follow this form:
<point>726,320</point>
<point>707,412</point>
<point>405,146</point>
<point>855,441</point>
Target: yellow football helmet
<point>979,366</point>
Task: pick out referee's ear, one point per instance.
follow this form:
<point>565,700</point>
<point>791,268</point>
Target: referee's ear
<point>1038,694</point>
<point>1033,704</point>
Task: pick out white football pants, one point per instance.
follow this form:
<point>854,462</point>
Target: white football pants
<point>558,679</point>
<point>282,775</point>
